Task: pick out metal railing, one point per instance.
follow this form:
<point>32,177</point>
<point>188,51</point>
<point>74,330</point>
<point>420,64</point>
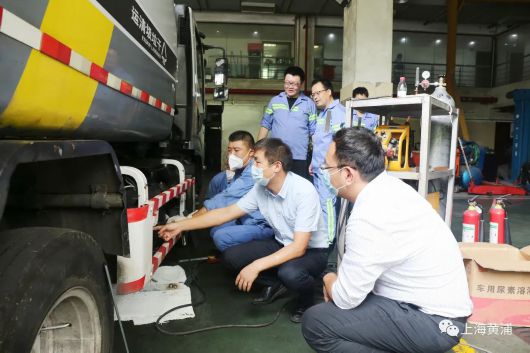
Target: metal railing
<point>260,67</point>
<point>253,67</point>
<point>509,72</point>
<point>465,75</point>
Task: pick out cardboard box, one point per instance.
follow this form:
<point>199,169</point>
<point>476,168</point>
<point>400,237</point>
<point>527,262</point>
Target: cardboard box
<point>498,276</point>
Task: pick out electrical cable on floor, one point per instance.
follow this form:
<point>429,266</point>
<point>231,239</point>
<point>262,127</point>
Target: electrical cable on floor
<point>192,279</point>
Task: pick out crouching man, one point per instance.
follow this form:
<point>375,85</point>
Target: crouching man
<point>401,285</point>
<point>298,252</point>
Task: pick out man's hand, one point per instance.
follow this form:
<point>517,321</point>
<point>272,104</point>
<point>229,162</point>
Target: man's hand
<point>328,280</point>
<point>311,169</point>
<point>168,231</point>
<point>246,277</point>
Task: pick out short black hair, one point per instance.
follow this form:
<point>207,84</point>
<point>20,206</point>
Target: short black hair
<point>276,150</point>
<point>360,90</point>
<point>241,135</point>
<point>325,83</point>
<point>361,149</point>
<point>295,71</point>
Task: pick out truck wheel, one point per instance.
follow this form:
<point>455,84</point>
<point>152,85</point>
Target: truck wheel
<point>54,292</point>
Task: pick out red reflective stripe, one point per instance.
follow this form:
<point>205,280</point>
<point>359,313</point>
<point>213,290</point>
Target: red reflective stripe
<point>1,13</point>
<point>155,264</point>
<point>131,287</point>
<point>98,73</point>
<point>57,50</point>
<point>158,103</point>
<point>156,204</point>
<point>168,109</point>
<point>163,251</point>
<point>144,96</point>
<point>137,214</point>
<point>126,87</point>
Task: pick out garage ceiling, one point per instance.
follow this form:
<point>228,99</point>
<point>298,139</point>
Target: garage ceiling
<point>484,12</point>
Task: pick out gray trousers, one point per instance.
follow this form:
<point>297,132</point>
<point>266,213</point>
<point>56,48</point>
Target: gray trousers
<point>378,325</point>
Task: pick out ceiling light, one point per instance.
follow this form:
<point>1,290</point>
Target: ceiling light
<point>513,35</point>
<point>255,33</point>
<point>402,1</point>
<point>472,43</point>
<point>403,40</point>
<point>331,36</point>
<point>437,41</point>
<point>315,46</point>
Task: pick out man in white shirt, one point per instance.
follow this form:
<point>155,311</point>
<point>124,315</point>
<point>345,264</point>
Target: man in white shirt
<point>297,254</point>
<point>401,285</point>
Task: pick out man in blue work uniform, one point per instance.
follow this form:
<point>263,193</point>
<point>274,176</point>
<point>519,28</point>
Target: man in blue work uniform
<point>291,117</point>
<point>249,227</point>
<point>362,119</point>
<point>330,120</point>
<point>297,254</point>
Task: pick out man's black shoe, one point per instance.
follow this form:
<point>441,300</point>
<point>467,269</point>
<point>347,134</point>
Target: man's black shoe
<point>296,316</point>
<point>269,294</point>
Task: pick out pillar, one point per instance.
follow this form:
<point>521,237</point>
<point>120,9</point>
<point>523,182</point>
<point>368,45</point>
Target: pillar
<point>367,47</point>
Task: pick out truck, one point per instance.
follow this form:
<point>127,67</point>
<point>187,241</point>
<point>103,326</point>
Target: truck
<point>102,104</point>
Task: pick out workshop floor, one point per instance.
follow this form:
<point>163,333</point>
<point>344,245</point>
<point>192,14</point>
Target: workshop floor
<point>225,305</point>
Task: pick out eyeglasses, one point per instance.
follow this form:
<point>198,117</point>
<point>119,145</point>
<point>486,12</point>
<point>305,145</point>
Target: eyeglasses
<point>340,166</point>
<point>291,84</point>
<point>325,167</point>
<point>314,94</point>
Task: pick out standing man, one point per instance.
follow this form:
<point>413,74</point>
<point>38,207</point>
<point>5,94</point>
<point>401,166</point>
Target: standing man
<point>249,227</point>
<point>401,285</point>
<point>291,117</point>
<point>330,120</point>
<point>362,119</point>
<point>298,253</point>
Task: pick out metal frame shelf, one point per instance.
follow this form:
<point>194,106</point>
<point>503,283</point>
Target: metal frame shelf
<point>421,106</point>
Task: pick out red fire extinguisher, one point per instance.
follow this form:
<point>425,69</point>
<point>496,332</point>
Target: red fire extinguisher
<point>499,231</point>
<point>472,222</point>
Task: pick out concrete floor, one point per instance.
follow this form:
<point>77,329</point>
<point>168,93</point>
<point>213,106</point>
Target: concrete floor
<point>225,305</point>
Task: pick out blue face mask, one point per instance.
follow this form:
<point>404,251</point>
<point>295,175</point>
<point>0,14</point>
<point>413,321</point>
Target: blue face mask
<point>257,176</point>
<point>326,178</point>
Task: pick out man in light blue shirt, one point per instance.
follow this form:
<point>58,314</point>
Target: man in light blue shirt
<point>291,117</point>
<point>251,226</point>
<point>298,253</point>
<point>362,119</point>
<point>330,120</point>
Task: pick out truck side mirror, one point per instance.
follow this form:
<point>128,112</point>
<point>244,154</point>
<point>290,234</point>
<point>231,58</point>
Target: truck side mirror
<point>220,92</point>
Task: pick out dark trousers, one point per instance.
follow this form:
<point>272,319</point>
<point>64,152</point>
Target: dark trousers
<point>301,167</point>
<point>378,325</point>
<point>297,275</point>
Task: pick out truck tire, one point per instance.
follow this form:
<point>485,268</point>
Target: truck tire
<point>53,277</point>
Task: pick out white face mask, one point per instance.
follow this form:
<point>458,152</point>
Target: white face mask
<point>235,162</point>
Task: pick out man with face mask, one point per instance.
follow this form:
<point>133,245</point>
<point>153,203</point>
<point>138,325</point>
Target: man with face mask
<point>291,117</point>
<point>330,120</point>
<point>401,283</point>
<point>249,227</point>
<point>298,253</point>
